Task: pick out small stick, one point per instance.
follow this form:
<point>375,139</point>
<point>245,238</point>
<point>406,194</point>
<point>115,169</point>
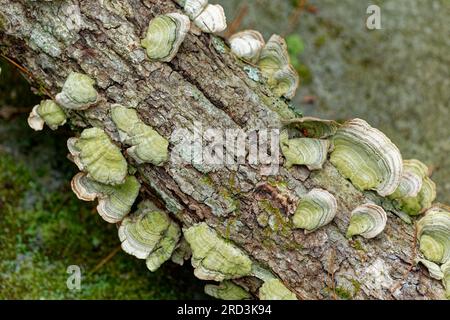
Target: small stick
<point>234,25</point>
<point>105,259</point>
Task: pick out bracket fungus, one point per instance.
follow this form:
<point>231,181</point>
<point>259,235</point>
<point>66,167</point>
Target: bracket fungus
<point>212,19</point>
<point>78,92</point>
<point>304,151</point>
<point>46,112</point>
<point>193,7</point>
<point>275,64</point>
<point>214,258</point>
<point>410,184</point>
<point>247,45</point>
<point>227,290</point>
<point>446,279</point>
<point>367,157</point>
<point>147,146</point>
<point>316,209</point>
<point>416,191</point>
<point>433,232</point>
<point>149,234</point>
<point>274,289</point>
<point>114,202</point>
<point>367,220</point>
<point>312,127</point>
<point>165,34</point>
<point>94,153</point>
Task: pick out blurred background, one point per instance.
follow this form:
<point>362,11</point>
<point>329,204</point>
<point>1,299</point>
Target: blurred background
<point>396,78</point>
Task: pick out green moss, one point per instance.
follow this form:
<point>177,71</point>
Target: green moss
<point>343,293</point>
<point>356,286</point>
<point>357,245</point>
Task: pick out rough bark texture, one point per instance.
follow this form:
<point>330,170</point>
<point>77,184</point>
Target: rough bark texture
<point>205,83</point>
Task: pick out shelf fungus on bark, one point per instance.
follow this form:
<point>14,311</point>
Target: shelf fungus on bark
<point>367,220</point>
<point>433,232</point>
<point>315,210</point>
<point>47,112</point>
<point>312,127</point>
<point>446,279</point>
<point>214,258</point>
<point>193,7</point>
<point>247,45</point>
<point>149,234</point>
<point>304,151</point>
<point>274,289</point>
<point>227,290</point>
<point>78,92</point>
<point>164,36</point>
<point>433,269</point>
<point>93,152</point>
<point>114,202</point>
<point>367,157</point>
<point>410,184</point>
<point>212,19</point>
<point>416,191</point>
<point>275,65</point>
<point>147,146</point>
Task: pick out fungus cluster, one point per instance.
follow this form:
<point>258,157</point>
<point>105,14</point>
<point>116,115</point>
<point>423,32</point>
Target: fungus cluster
<point>147,145</point>
<point>114,202</point>
<point>209,18</point>
<point>214,258</point>
<point>227,290</point>
<point>362,154</point>
<point>47,112</point>
<point>315,210</point>
<point>93,152</point>
<point>149,234</point>
<point>416,191</point>
<point>274,289</point>
<point>433,232</point>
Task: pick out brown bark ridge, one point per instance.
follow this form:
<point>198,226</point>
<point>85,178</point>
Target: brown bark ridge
<point>205,83</point>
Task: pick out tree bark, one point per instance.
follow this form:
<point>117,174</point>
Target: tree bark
<point>205,83</point>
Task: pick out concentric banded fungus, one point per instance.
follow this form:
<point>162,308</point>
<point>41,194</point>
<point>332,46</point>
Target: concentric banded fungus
<point>78,92</point>
<point>147,145</point>
<point>315,210</point>
<point>304,151</point>
<point>247,45</point>
<point>275,65</point>
<point>313,127</point>
<point>227,290</point>
<point>212,19</point>
<point>367,220</point>
<point>367,157</point>
<point>114,202</point>
<point>433,232</point>
<point>285,82</point>
<point>164,36</point>
<point>50,113</point>
<point>182,252</point>
<point>95,154</point>
<point>424,199</point>
<point>193,7</point>
<point>274,289</point>
<point>433,269</point>
<point>212,257</point>
<point>149,234</point>
<point>34,119</point>
<point>410,184</point>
